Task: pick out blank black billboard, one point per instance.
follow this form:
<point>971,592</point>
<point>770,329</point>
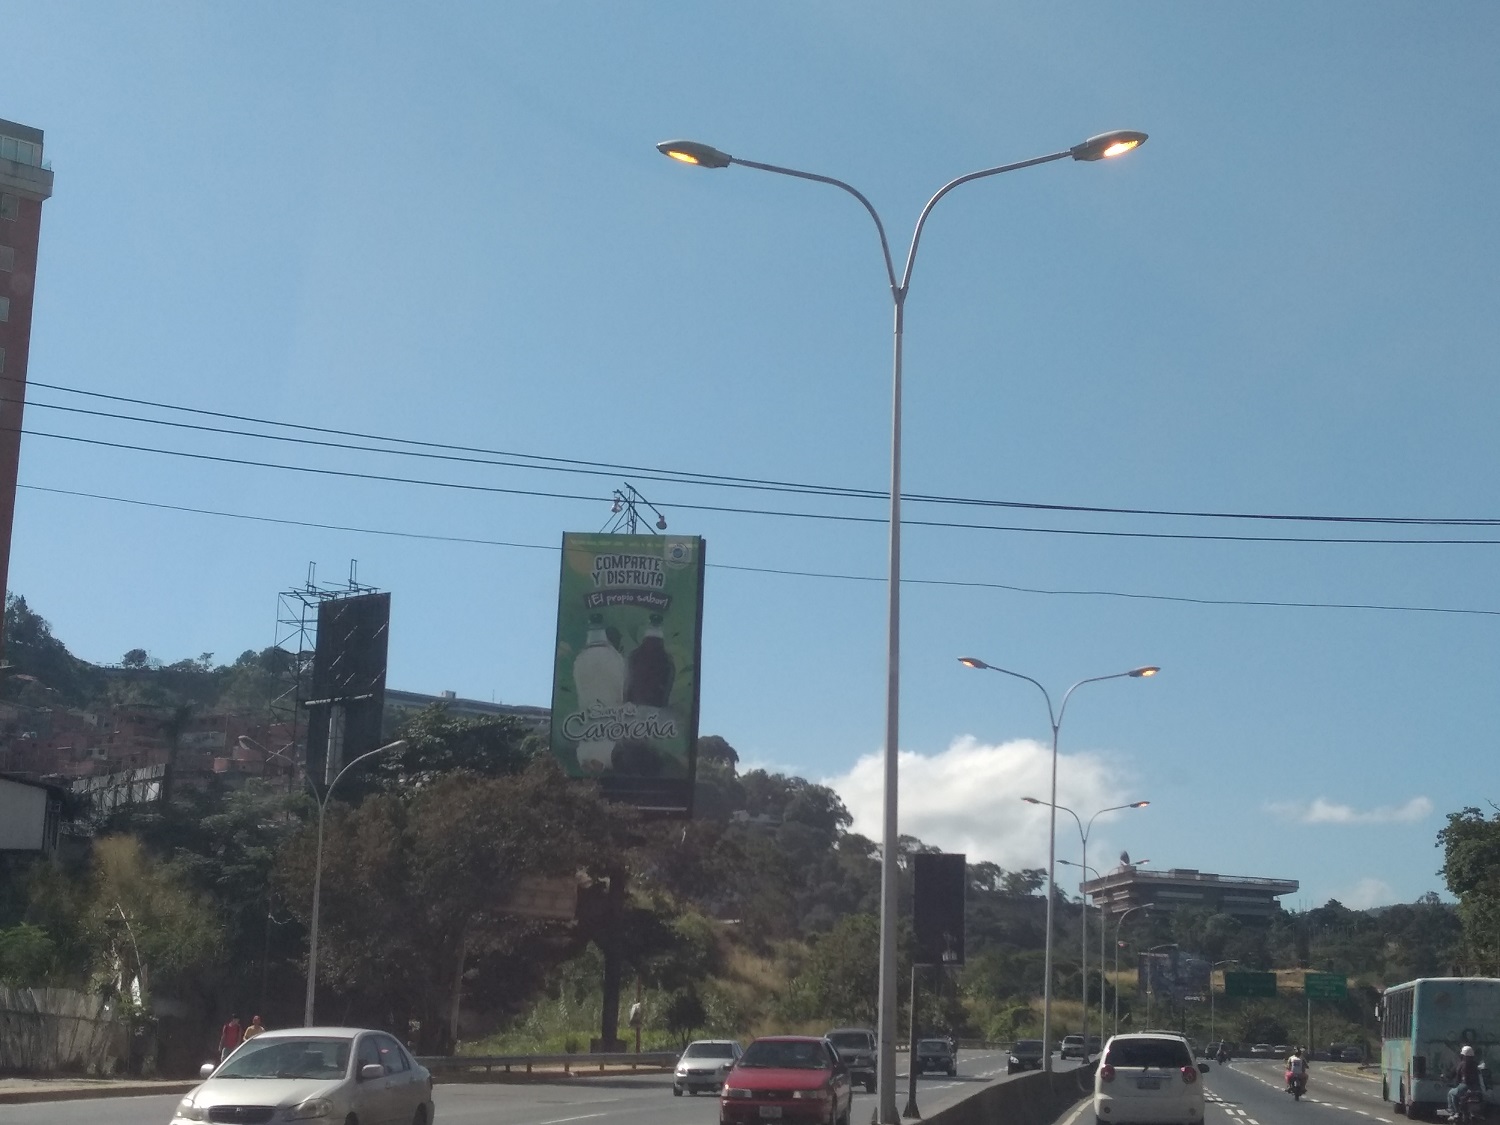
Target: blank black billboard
<point>349,662</point>
<point>938,883</point>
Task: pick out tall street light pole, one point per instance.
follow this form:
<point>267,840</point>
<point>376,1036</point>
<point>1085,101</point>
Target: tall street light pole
<point>1100,147</point>
<point>1055,717</point>
<point>1121,922</point>
<point>1211,968</point>
<point>312,930</point>
<point>1083,923</point>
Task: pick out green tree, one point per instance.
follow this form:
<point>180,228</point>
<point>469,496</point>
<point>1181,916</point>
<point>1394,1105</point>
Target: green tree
<point>1471,867</point>
<point>415,887</point>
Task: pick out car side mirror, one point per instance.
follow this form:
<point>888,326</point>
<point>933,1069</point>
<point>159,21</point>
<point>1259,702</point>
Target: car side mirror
<point>207,1070</point>
<point>371,1070</point>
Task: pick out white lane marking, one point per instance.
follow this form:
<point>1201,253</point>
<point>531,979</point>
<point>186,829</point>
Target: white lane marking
<point>581,1117</point>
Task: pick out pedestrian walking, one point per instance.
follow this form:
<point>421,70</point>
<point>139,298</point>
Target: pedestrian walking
<point>229,1037</point>
<point>254,1027</point>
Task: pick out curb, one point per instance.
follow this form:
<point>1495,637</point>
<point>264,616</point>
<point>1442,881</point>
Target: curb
<point>80,1093</point>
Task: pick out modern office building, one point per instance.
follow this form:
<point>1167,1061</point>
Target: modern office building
<point>25,183</point>
<point>1243,896</point>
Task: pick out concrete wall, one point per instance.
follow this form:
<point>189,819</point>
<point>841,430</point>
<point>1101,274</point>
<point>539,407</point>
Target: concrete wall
<point>1030,1099</point>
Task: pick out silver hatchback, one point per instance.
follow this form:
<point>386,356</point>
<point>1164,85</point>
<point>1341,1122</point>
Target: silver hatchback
<point>314,1075</point>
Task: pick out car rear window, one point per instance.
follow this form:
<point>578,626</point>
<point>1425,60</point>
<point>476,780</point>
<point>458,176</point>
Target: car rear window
<point>933,1045</point>
<point>857,1039</point>
<point>784,1055</point>
<point>1164,1054</point>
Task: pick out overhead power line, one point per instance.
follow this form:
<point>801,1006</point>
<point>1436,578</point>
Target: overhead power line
<point>835,517</point>
<point>1259,603</point>
<point>482,456</point>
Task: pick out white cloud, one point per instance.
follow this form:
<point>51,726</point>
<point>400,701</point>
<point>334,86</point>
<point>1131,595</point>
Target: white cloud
<point>1367,893</point>
<point>1323,811</point>
<point>967,798</point>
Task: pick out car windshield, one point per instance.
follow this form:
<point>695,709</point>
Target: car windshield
<point>1166,1054</point>
<point>858,1039</point>
<point>1026,1046</point>
<point>289,1058</point>
<point>933,1045</point>
<point>708,1051</point>
<point>784,1055</point>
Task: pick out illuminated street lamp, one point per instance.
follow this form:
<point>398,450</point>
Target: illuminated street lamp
<point>1056,718</point>
<point>1101,147</point>
<point>312,929</point>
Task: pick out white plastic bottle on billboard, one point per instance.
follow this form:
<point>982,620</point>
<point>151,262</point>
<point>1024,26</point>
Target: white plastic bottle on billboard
<point>599,676</point>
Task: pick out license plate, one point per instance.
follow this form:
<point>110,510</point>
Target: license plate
<point>1148,1083</point>
<point>770,1111</point>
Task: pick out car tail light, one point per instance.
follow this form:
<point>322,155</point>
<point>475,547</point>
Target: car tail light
<point>1106,1073</point>
<point>1190,1074</point>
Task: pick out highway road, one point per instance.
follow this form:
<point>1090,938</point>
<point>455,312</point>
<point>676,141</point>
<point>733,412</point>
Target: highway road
<point>1250,1092</point>
<point>634,1100</point>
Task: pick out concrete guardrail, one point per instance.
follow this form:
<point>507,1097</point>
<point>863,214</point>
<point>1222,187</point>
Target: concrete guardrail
<point>451,1065</point>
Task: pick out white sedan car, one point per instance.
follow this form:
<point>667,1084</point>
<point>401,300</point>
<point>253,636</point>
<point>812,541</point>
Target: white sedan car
<point>1149,1077</point>
<point>316,1076</point>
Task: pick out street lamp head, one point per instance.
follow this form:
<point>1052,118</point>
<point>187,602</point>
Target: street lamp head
<point>1033,801</point>
<point>1107,145</point>
<point>704,156</point>
<point>1137,804</point>
<point>972,662</point>
<point>1143,673</point>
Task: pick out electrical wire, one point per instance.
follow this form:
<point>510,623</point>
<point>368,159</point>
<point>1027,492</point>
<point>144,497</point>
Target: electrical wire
<point>785,573</point>
<point>350,474</point>
<point>685,477</point>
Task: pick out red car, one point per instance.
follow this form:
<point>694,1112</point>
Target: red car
<point>787,1078</point>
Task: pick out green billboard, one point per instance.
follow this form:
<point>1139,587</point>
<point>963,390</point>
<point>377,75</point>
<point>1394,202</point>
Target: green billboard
<point>1249,984</point>
<point>1325,986</point>
<point>625,673</point>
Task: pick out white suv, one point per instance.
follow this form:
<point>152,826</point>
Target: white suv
<point>1150,1077</point>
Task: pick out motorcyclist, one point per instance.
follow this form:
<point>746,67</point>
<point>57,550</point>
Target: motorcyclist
<point>1296,1069</point>
<point>1223,1056</point>
<point>1466,1076</point>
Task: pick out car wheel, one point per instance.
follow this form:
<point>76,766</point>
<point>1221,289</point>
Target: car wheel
<point>420,1117</point>
<point>953,1072</point>
<point>677,1091</point>
<point>869,1085</point>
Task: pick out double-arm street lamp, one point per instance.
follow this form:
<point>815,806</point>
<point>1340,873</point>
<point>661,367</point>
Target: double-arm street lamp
<point>1056,718</point>
<point>1101,147</point>
<point>1211,968</point>
<point>312,930</point>
<point>1083,925</point>
<point>1118,924</point>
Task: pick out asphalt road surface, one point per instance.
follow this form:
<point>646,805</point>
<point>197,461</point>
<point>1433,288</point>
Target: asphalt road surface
<point>1252,1092</point>
<point>632,1100</point>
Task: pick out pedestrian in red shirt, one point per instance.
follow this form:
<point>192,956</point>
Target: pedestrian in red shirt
<point>229,1038</point>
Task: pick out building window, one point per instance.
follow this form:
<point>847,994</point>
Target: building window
<point>4,309</point>
<point>10,206</point>
<point>2,361</point>
<point>7,257</point>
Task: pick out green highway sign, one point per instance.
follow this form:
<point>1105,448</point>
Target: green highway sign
<point>1249,984</point>
<point>1325,986</point>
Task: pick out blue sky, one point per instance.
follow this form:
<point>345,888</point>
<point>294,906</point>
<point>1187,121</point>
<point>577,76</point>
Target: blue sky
<point>448,223</point>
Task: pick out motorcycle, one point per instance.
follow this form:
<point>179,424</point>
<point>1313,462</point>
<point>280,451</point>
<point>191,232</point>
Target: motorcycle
<point>1296,1085</point>
<point>1470,1109</point>
<point>1222,1058</point>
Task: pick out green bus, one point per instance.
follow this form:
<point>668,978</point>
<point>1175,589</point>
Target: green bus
<point>1423,1024</point>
